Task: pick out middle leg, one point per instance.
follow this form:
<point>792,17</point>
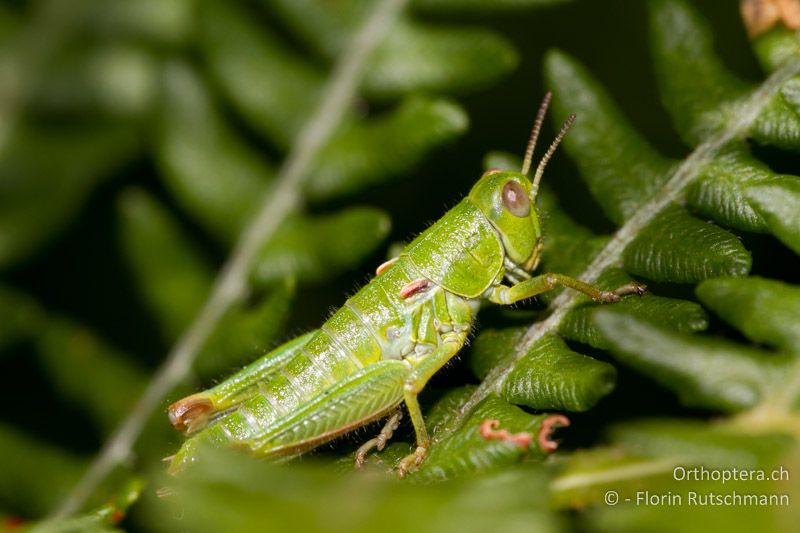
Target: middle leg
<point>413,386</point>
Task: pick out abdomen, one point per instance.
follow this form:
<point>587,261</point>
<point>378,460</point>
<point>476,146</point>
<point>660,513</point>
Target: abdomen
<point>357,354</point>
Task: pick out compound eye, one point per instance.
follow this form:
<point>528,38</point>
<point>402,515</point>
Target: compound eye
<point>516,200</point>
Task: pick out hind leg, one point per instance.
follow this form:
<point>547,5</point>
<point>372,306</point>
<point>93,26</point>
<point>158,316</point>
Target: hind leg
<point>193,413</point>
<point>380,441</point>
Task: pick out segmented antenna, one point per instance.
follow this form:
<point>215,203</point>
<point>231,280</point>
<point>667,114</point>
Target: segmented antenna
<point>537,177</point>
<point>537,126</point>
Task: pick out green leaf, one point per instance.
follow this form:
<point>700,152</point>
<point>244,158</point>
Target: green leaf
<point>698,91</point>
<point>778,202</point>
<point>703,372</point>
<point>676,247</point>
<point>466,451</point>
<point>218,179</point>
<point>413,57</point>
<point>428,58</point>
<point>358,158</point>
<point>36,475</point>
<point>719,193</point>
<point>34,206</point>
<point>775,47</point>
<point>273,88</point>
<point>120,80</point>
<point>317,248</point>
<point>763,309</point>
<point>230,492</point>
<point>491,348</point>
<point>551,376</point>
<point>679,315</point>
<point>171,275</point>
<point>621,169</point>
<point>207,167</point>
<point>779,122</point>
<point>98,379</point>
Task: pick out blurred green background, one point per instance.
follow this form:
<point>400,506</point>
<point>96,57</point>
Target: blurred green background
<point>90,79</point>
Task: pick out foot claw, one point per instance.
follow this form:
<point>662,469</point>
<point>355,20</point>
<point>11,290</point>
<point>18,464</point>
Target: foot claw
<point>358,462</point>
<point>617,294</point>
<point>416,458</point>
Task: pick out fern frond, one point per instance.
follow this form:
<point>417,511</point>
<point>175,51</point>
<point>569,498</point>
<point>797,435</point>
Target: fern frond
<point>659,239</point>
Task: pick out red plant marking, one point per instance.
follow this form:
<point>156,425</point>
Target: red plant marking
<point>488,430</point>
<point>550,424</point>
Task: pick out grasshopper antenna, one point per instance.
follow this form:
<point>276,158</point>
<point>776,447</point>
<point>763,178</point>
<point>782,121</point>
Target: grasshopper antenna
<point>537,177</point>
<point>537,126</point>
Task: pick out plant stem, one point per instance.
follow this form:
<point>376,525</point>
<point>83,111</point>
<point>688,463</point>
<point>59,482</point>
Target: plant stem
<point>648,467</point>
<point>611,254</point>
<point>231,282</point>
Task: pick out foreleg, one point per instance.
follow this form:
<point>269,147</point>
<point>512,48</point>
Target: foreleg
<point>504,295</point>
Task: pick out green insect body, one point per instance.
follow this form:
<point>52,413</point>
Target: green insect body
<point>379,350</point>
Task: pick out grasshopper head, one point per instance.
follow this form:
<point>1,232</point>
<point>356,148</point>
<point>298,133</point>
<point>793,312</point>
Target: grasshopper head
<point>508,198</point>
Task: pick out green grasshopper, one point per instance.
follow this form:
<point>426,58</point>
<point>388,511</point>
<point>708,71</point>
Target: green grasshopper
<point>380,349</point>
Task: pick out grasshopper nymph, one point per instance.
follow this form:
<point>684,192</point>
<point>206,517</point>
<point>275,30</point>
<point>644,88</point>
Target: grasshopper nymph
<point>380,349</point>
